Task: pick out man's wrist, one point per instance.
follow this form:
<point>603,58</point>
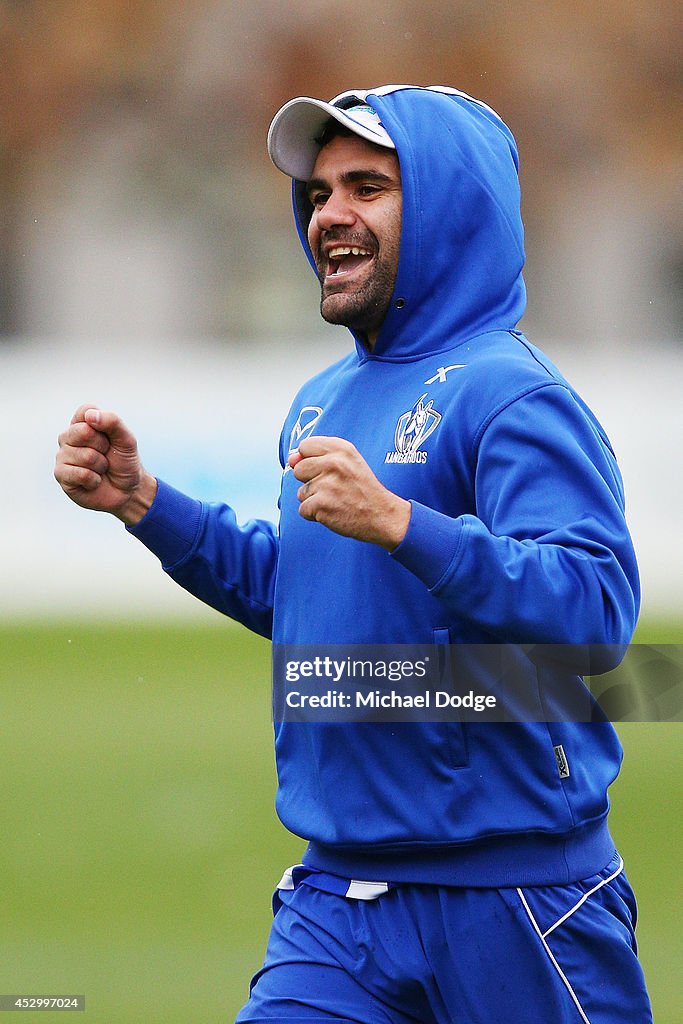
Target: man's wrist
<point>396,524</point>
<point>139,502</point>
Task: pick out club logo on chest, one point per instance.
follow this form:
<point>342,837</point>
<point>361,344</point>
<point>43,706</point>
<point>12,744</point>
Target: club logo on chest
<point>412,430</point>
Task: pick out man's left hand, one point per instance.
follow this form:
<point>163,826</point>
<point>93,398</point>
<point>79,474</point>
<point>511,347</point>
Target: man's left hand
<point>340,491</point>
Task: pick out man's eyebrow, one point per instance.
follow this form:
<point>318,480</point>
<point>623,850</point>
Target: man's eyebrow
<point>351,178</point>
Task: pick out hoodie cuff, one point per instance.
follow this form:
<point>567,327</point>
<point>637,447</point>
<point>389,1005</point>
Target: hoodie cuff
<point>430,544</point>
<point>170,527</point>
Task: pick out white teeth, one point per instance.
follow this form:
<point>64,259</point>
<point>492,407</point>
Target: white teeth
<point>345,250</point>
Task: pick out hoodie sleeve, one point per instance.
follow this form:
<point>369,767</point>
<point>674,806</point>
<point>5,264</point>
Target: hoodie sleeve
<point>202,547</point>
<point>548,557</point>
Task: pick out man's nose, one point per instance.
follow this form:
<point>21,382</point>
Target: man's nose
<point>337,210</point>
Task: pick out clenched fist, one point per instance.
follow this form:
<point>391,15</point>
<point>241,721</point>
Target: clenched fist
<point>99,468</point>
<point>340,491</point>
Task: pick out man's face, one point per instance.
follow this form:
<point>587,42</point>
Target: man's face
<point>355,231</point>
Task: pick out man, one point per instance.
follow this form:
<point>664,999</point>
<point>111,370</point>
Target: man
<point>442,484</point>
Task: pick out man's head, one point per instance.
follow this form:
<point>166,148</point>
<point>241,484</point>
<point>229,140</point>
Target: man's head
<point>353,183</point>
<point>355,231</point>
<point>457,214</point>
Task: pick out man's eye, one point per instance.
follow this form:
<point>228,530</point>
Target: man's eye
<point>319,199</point>
<point>367,190</point>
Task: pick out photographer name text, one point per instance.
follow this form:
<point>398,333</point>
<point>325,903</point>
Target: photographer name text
<point>343,700</point>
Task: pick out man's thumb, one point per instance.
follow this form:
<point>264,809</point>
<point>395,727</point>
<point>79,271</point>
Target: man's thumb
<point>112,425</point>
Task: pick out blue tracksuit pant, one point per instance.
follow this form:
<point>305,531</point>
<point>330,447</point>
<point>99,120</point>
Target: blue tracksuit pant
<point>422,954</point>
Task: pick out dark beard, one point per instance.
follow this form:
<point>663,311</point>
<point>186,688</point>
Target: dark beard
<point>364,310</point>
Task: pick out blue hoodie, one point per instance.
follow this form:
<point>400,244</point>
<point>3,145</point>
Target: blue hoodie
<point>517,535</point>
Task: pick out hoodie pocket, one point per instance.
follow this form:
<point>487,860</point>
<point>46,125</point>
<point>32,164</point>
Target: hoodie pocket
<point>455,738</point>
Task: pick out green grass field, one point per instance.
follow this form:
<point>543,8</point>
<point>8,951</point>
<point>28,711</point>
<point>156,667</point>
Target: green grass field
<point>139,841</point>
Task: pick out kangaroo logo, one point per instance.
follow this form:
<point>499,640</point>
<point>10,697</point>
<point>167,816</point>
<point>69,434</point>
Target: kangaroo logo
<point>412,430</point>
<point>304,427</point>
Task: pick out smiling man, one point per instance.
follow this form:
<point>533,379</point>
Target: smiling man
<point>355,230</point>
<point>442,485</point>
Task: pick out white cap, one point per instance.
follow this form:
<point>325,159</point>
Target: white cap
<point>299,123</point>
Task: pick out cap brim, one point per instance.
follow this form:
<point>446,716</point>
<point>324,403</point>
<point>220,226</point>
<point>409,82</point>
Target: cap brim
<point>293,132</point>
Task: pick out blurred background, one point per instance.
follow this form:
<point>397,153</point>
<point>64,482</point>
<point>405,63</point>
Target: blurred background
<point>148,263</point>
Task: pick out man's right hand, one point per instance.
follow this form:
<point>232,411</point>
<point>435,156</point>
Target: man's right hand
<point>99,468</point>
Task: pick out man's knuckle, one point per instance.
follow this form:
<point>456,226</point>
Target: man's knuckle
<point>81,475</point>
<point>90,458</point>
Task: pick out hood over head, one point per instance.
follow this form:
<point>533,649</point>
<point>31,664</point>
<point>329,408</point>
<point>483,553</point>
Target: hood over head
<point>462,239</point>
